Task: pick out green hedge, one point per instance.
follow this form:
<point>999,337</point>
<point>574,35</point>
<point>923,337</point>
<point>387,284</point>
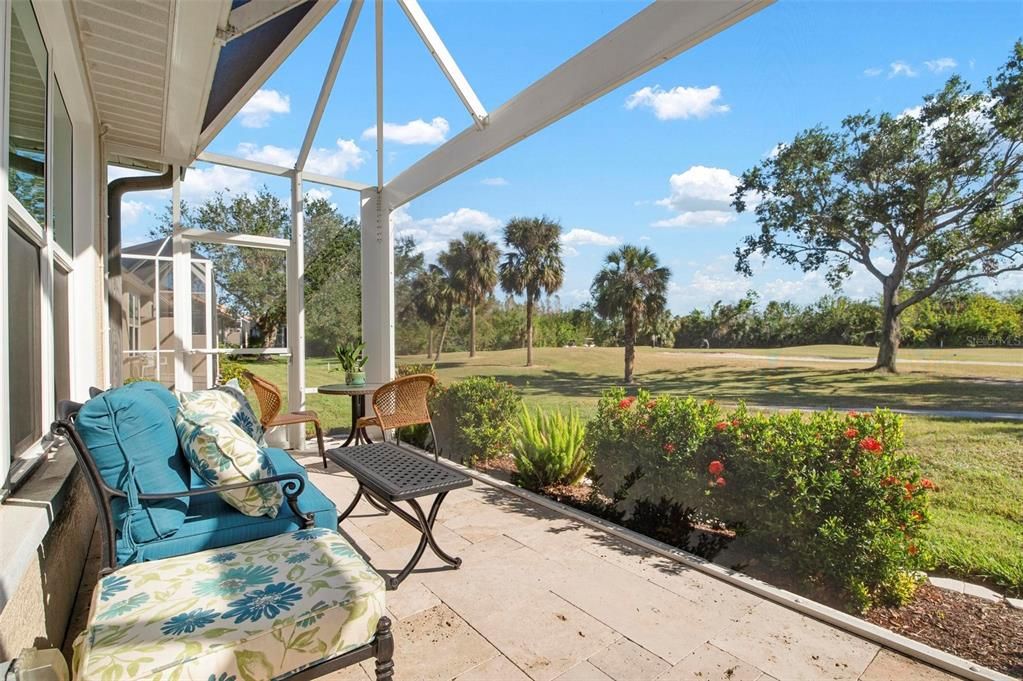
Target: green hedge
<point>828,497</point>
<point>474,418</point>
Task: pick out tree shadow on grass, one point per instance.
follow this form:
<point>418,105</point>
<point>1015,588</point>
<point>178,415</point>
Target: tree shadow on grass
<point>787,386</point>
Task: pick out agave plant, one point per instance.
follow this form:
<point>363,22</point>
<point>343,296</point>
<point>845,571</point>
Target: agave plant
<point>548,448</point>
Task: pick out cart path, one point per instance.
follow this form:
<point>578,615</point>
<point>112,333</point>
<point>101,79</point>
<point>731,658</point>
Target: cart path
<point>839,360</point>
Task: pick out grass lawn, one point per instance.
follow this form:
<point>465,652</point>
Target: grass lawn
<point>977,527</point>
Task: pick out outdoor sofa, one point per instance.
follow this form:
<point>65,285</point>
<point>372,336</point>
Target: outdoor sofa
<point>192,588</point>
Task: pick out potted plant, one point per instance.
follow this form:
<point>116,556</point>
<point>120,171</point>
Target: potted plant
<point>352,360</point>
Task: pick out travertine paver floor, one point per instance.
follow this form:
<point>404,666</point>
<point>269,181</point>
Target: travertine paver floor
<point>540,596</point>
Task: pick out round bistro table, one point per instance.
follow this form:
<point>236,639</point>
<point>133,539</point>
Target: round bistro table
<point>358,394</point>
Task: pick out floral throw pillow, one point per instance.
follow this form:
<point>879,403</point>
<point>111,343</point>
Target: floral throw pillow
<point>227,401</point>
<point>222,453</point>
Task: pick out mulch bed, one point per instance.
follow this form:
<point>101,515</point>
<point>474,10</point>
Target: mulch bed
<point>979,630</point>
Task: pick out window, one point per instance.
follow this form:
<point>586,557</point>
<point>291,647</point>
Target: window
<point>37,254</point>
<point>61,339</point>
<point>134,321</point>
<point>27,112</point>
<point>24,341</point>
<point>61,173</point>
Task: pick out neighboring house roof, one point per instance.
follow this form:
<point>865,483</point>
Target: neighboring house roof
<point>161,247</point>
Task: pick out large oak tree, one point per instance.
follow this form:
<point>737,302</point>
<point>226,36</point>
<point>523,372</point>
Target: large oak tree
<point>923,200</point>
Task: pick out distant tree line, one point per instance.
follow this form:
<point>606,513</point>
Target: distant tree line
<point>961,319</point>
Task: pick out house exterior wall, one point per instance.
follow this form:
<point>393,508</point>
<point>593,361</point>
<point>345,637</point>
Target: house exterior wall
<point>46,525</point>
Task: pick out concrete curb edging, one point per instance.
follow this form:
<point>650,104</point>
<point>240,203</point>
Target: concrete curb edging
<point>854,625</point>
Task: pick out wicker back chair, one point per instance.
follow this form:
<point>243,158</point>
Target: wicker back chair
<point>400,403</point>
<point>270,401</point>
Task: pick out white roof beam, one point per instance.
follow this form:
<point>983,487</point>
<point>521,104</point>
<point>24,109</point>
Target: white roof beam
<point>254,14</point>
<point>334,181</point>
<point>280,171</point>
<point>328,81</point>
<point>445,61</point>
<point>651,37</point>
<point>244,164</point>
<point>234,239</point>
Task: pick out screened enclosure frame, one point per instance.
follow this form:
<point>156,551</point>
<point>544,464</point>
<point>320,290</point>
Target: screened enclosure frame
<point>652,36</point>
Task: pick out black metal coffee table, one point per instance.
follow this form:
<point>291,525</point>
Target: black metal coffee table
<point>388,474</point>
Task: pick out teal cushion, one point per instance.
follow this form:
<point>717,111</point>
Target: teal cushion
<point>212,523</point>
<point>131,436</point>
<point>159,391</point>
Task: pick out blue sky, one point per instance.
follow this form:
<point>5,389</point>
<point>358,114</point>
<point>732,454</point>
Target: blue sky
<point>651,163</point>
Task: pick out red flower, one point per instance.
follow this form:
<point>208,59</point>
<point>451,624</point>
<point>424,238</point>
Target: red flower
<point>720,426</point>
<point>910,487</point>
<point>917,516</point>
<point>735,423</point>
<point>913,550</point>
<point>715,467</point>
<point>651,404</point>
<point>669,448</point>
<point>626,403</point>
<point>720,482</point>
<point>853,414</point>
<point>927,484</point>
<point>889,481</point>
<point>852,433</point>
<point>871,445</point>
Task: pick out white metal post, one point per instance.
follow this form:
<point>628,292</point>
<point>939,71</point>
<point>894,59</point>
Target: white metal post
<point>296,311</point>
<point>182,295</point>
<point>377,286</point>
<point>5,437</point>
<point>212,361</point>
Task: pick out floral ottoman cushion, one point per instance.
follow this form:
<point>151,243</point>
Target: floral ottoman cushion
<point>222,453</point>
<point>257,610</point>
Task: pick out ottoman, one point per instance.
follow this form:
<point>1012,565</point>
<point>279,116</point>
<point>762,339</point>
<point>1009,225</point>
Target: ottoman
<point>297,605</point>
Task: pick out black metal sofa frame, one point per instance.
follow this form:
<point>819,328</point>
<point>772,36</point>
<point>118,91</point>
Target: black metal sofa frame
<point>292,484</point>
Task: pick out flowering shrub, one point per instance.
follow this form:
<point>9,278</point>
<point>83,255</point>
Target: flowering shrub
<point>475,417</point>
<point>829,496</point>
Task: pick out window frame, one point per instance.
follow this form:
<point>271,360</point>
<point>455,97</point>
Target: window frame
<point>52,257</point>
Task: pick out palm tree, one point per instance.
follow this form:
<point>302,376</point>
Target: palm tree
<point>632,286</point>
<point>471,263</point>
<point>532,265</point>
<point>444,294</point>
<point>429,299</point>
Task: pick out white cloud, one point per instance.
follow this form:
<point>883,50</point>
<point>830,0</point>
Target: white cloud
<point>433,234</point>
<point>131,211</point>
<point>941,64</point>
<point>873,72</point>
<point>587,237</point>
<point>901,68</point>
<point>345,156</point>
<point>201,183</point>
<point>678,102</point>
<point>494,181</point>
<point>911,112</point>
<point>700,196</point>
<point>413,132</point>
<point>316,193</point>
<point>265,103</point>
<point>697,218</point>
